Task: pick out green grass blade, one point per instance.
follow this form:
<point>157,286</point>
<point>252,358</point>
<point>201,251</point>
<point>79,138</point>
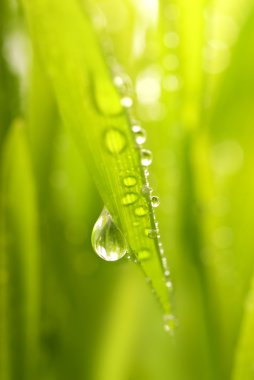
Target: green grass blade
<point>245,351</point>
<point>91,107</point>
<point>22,255</point>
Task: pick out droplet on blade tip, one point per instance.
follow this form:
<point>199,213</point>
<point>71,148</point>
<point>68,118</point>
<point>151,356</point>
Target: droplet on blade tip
<point>107,240</point>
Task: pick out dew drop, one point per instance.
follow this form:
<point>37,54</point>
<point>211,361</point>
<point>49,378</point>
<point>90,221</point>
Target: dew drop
<point>141,211</point>
<point>146,157</point>
<point>139,133</point>
<point>144,254</point>
<point>115,141</point>
<point>169,323</point>
<point>155,201</point>
<point>107,240</point>
<point>169,284</point>
<point>126,101</point>
<point>123,83</point>
<point>146,189</point>
<point>129,181</point>
<point>129,199</point>
<point>150,233</point>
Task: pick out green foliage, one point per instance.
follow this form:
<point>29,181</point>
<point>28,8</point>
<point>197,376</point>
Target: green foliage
<point>68,150</point>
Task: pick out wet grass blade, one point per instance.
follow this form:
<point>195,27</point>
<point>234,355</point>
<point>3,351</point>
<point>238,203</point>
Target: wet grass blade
<point>91,107</point>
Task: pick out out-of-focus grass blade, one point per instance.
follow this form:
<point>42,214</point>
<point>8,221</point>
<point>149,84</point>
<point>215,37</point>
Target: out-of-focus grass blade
<point>244,358</point>
<point>117,346</point>
<point>91,107</point>
<point>21,255</point>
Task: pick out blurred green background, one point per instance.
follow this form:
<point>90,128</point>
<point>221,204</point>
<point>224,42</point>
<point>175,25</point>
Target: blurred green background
<point>65,313</point>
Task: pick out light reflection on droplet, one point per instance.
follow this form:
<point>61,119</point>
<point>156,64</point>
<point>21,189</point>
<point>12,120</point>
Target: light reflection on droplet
<point>126,101</point>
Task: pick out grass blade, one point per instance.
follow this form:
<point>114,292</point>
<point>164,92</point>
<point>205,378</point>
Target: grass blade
<point>74,62</point>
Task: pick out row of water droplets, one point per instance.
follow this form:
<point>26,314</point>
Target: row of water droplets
<point>107,239</point>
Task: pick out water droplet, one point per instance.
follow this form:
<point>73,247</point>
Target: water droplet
<point>150,233</point>
<point>144,254</point>
<point>169,284</point>
<point>115,140</point>
<point>141,211</point>
<point>139,133</point>
<point>123,83</point>
<point>155,201</point>
<point>146,190</point>
<point>129,198</point>
<point>129,181</point>
<point>169,323</point>
<point>146,157</point>
<point>107,240</point>
<point>126,101</point>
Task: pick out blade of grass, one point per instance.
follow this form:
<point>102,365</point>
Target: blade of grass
<point>90,106</point>
<point>22,254</point>
<point>244,355</point>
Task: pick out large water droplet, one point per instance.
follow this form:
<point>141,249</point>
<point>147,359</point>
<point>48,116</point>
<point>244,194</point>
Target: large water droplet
<point>107,240</point>
<point>129,181</point>
<point>146,157</point>
<point>129,198</point>
<point>115,140</point>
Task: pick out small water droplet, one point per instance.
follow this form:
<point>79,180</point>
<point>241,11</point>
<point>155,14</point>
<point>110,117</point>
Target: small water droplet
<point>169,323</point>
<point>150,233</point>
<point>107,240</point>
<point>126,101</point>
<point>144,254</point>
<point>146,190</point>
<point>129,198</point>
<point>141,211</point>
<point>129,181</point>
<point>155,201</point>
<point>139,133</point>
<point>169,284</point>
<point>123,83</point>
<point>115,140</point>
<point>146,157</point>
